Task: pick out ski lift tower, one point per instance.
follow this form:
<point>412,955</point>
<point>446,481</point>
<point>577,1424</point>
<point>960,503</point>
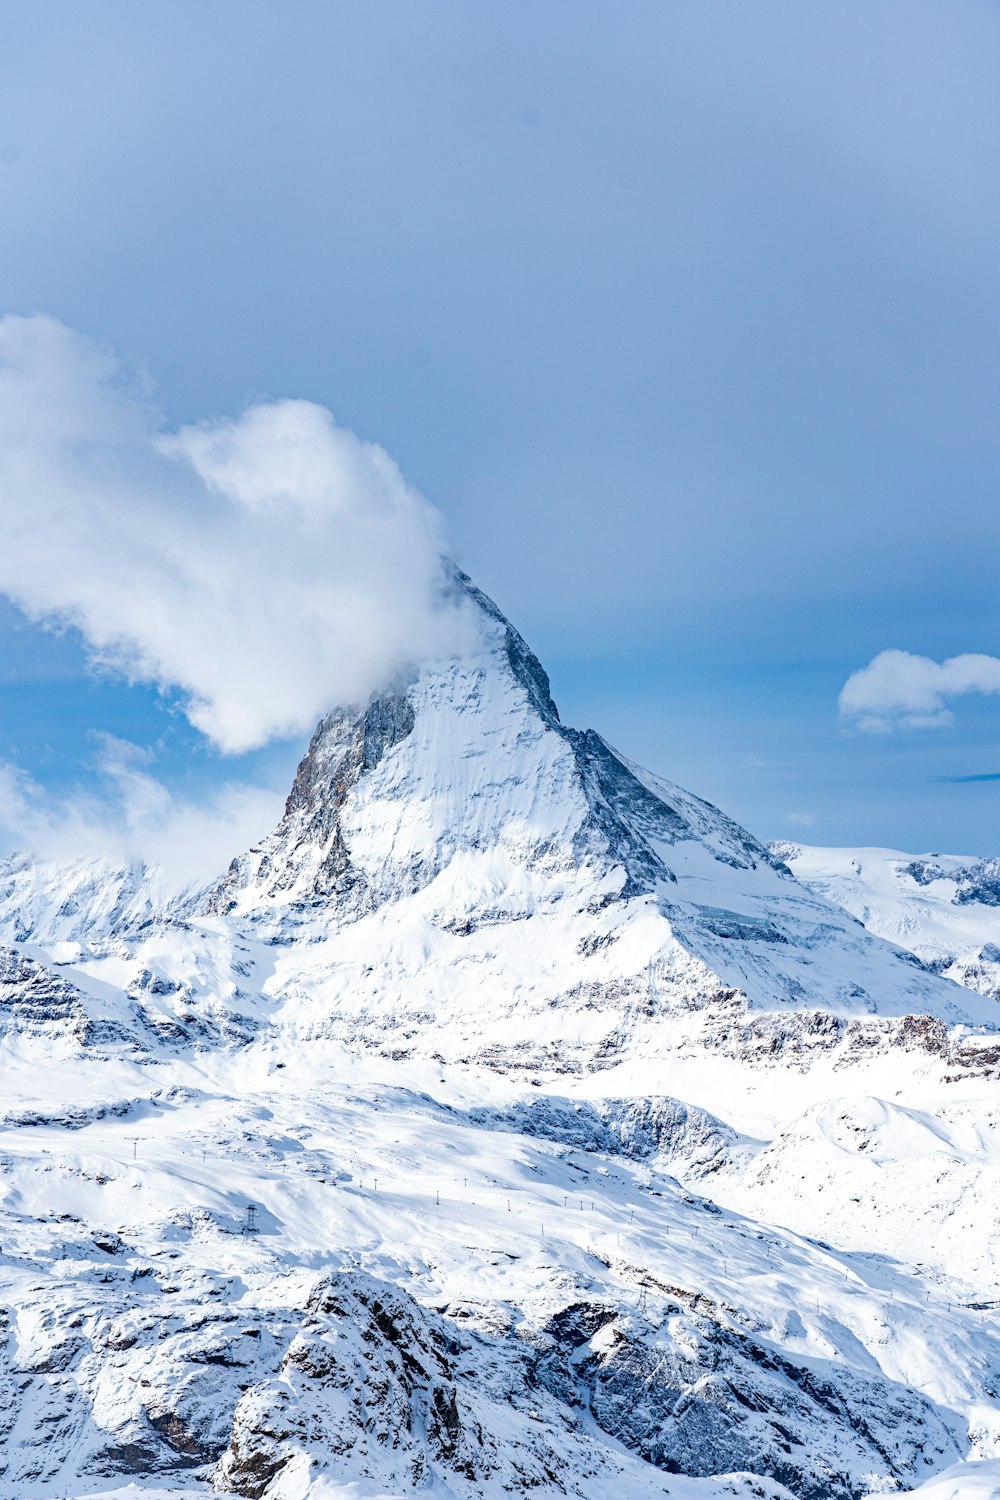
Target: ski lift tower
<point>251,1226</point>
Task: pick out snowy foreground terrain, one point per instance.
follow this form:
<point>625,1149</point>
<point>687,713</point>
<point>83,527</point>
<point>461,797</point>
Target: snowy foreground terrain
<point>508,1123</point>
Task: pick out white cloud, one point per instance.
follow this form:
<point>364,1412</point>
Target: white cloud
<point>899,690</point>
<point>801,819</point>
<point>127,816</point>
<point>266,567</point>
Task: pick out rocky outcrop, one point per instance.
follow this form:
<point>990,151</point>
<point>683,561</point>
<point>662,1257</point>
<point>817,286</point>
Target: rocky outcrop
<point>369,1377</point>
<point>373,1385</point>
<point>695,1396</point>
<point>141,1389</point>
<point>37,1001</point>
<point>308,851</point>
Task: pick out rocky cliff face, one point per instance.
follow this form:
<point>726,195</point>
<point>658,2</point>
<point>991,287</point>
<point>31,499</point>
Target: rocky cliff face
<point>307,853</point>
<point>687,1397</point>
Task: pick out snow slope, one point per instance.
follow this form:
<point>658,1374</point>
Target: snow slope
<point>574,1316</point>
<point>589,1151</point>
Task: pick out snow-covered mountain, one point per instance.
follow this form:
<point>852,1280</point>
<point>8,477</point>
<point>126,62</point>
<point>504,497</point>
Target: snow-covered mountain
<point>507,1122</point>
<point>458,867</point>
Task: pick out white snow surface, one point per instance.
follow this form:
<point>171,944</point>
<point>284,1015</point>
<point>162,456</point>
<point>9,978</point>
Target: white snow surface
<point>508,1122</point>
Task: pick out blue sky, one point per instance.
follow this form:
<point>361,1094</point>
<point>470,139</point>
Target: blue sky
<point>683,316</point>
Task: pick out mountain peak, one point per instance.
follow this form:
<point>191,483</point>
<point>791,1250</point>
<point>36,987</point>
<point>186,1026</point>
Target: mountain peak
<point>452,837</point>
<point>491,756</point>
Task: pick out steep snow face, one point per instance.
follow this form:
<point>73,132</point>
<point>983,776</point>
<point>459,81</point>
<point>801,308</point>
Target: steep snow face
<point>945,908</point>
<point>458,867</point>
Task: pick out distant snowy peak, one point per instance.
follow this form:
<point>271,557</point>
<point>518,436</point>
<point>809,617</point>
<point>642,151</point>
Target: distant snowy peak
<point>945,908</point>
<point>85,902</point>
<point>976,882</point>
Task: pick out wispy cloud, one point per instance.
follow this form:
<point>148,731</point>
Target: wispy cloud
<point>800,819</point>
<point>126,815</point>
<point>980,776</point>
<point>265,568</point>
<point>898,690</point>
